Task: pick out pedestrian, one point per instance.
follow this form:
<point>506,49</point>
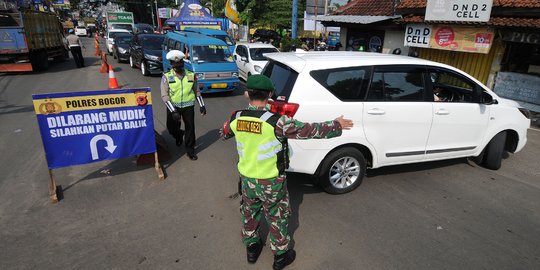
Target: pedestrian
<point>261,139</point>
<point>179,92</point>
<point>75,45</point>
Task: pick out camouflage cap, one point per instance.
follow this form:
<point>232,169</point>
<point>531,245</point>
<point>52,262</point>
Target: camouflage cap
<point>260,82</point>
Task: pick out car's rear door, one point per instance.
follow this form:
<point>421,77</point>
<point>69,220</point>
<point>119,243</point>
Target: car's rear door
<point>397,114</point>
<point>459,119</point>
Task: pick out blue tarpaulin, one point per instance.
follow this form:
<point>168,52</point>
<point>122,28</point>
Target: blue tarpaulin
<point>192,14</point>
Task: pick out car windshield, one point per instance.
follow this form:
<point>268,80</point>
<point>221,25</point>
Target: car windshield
<point>152,42</point>
<point>122,26</point>
<point>123,39</point>
<point>145,29</point>
<point>257,53</point>
<point>7,20</point>
<point>211,54</point>
<point>227,39</point>
<point>113,34</point>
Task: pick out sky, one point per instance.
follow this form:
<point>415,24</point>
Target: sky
<point>341,2</point>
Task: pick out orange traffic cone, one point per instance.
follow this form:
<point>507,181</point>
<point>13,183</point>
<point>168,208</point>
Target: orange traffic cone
<point>98,52</point>
<point>104,64</point>
<point>113,83</point>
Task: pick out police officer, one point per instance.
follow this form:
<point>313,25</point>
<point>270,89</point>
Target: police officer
<point>261,138</point>
<point>75,46</point>
<point>179,92</point>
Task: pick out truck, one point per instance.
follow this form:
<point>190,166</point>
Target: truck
<point>28,39</point>
<point>120,20</point>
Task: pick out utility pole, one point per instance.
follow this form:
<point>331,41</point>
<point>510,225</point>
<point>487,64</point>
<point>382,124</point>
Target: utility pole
<point>315,25</point>
<point>157,16</point>
<point>294,18</point>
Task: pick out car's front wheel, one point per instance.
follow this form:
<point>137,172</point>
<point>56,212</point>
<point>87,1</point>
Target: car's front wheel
<point>494,151</point>
<point>131,62</point>
<point>342,171</point>
<point>144,69</point>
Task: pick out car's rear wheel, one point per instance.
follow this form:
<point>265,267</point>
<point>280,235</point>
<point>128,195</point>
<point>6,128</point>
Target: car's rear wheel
<point>342,171</point>
<point>494,151</point>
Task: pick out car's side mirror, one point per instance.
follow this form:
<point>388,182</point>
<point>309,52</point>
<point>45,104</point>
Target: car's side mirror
<point>235,58</point>
<point>488,99</point>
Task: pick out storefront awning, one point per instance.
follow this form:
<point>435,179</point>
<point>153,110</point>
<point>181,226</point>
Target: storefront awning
<point>354,19</point>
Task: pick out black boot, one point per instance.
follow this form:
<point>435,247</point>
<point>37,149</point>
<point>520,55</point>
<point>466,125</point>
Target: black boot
<point>280,261</point>
<point>253,251</point>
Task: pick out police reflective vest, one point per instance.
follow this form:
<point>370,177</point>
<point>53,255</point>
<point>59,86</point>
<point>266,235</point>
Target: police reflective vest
<point>180,92</point>
<point>261,154</point>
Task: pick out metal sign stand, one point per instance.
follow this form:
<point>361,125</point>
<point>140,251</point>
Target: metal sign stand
<point>158,168</point>
<point>52,188</point>
<point>52,181</point>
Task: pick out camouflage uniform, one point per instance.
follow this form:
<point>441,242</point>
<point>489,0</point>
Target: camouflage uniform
<point>270,196</point>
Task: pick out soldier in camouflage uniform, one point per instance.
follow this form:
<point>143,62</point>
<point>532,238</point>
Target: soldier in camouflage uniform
<point>263,157</point>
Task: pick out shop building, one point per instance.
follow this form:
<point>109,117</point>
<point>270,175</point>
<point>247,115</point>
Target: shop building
<point>367,25</point>
<point>496,41</point>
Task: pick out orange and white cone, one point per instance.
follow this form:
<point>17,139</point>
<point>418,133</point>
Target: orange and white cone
<point>104,64</point>
<point>113,83</point>
<point>96,45</point>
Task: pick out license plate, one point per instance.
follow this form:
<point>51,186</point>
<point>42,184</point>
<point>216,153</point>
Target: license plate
<point>219,85</point>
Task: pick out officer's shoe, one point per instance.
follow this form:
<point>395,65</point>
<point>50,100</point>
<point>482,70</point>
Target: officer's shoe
<point>280,261</point>
<point>193,156</point>
<point>253,252</point>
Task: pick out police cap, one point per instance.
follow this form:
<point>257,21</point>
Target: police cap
<point>260,82</point>
<point>175,56</point>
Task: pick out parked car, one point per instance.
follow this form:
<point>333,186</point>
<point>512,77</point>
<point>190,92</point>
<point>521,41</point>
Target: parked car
<point>250,58</point>
<point>391,100</point>
<point>121,43</point>
<point>110,38</point>
<point>80,31</point>
<point>143,28</point>
<point>145,52</point>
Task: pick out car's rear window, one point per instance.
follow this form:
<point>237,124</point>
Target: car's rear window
<point>283,78</point>
<point>347,84</point>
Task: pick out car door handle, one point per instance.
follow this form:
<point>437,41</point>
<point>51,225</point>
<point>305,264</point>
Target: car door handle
<point>376,111</point>
<point>442,112</point>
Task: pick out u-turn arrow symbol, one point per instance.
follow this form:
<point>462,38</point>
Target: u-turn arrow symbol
<point>93,145</point>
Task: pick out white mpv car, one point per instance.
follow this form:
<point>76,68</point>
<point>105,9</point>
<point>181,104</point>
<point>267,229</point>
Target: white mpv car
<point>249,58</point>
<point>404,109</point>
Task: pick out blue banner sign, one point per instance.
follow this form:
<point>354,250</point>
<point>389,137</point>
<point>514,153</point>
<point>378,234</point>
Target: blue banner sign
<point>84,127</point>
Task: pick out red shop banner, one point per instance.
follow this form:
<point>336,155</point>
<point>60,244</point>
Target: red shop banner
<point>463,39</point>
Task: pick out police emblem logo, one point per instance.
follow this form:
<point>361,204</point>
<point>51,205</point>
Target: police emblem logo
<point>249,126</point>
<point>141,98</point>
<point>190,77</point>
<point>50,107</point>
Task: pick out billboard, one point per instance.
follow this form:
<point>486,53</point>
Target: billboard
<point>458,10</point>
<point>451,38</point>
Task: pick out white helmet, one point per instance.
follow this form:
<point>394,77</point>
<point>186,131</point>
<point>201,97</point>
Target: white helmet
<point>175,56</point>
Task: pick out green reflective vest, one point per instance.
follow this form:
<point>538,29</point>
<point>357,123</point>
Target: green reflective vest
<point>180,91</point>
<point>261,154</point>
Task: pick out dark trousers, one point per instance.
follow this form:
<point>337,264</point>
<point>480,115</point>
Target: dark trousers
<point>77,55</point>
<point>175,127</point>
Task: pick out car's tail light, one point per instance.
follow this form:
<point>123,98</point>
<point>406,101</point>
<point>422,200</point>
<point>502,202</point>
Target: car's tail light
<point>284,108</point>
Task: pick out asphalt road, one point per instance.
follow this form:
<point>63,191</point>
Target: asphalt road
<point>438,215</point>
